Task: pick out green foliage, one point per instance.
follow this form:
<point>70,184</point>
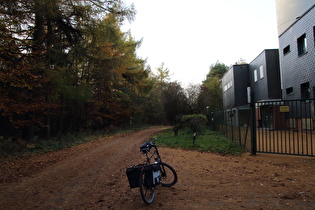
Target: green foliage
<point>217,70</point>
<point>10,147</point>
<point>163,74</point>
<point>211,92</point>
<point>72,69</point>
<point>69,68</point>
<point>210,141</point>
<point>195,122</point>
<point>193,91</point>
<point>174,101</point>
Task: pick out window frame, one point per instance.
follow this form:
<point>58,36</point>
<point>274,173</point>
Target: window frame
<point>289,91</point>
<point>286,50</point>
<point>302,45</point>
<point>305,90</point>
<point>255,75</point>
<point>261,72</point>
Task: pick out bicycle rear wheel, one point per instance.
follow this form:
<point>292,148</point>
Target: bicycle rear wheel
<point>147,190</point>
<point>168,175</point>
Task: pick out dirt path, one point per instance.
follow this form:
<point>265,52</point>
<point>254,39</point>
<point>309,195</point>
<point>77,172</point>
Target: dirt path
<point>92,176</point>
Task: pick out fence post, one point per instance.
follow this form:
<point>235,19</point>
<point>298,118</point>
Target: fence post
<point>253,126</point>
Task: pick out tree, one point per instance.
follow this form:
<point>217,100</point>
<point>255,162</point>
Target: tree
<point>23,102</point>
<point>49,64</point>
<point>195,122</point>
<point>119,77</point>
<point>174,101</point>
<point>212,87</point>
<point>217,70</point>
<point>193,92</point>
<point>241,61</point>
<point>163,74</point>
<point>203,100</point>
<point>154,112</point>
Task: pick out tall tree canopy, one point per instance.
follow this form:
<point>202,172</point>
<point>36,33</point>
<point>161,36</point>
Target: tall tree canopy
<point>217,70</point>
<point>66,65</point>
<point>211,93</point>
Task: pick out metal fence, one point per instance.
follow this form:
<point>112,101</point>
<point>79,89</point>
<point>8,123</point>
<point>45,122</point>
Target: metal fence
<point>280,126</point>
<point>235,124</point>
<point>286,127</point>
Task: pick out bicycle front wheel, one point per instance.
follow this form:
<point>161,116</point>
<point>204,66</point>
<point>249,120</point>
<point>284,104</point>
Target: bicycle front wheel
<point>147,190</point>
<point>168,175</point>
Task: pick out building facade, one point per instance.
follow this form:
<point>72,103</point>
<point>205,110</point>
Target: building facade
<point>283,83</point>
<point>234,85</point>
<point>265,75</point>
<point>262,76</point>
<point>297,57</point>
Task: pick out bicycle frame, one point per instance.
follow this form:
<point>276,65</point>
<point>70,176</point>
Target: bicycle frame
<point>155,152</point>
<point>149,175</point>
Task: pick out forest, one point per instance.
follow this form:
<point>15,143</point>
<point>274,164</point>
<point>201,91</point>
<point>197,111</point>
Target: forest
<point>66,66</point>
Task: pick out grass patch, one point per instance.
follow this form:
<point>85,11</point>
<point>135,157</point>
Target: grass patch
<point>210,141</point>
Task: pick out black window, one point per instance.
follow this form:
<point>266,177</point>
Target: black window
<point>301,44</point>
<point>286,50</point>
<point>289,91</point>
<point>305,90</point>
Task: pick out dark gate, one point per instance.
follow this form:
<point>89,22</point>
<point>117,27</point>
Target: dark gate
<point>285,127</point>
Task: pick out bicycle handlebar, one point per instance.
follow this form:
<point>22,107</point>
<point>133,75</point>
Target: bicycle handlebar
<point>153,140</point>
<point>146,146</point>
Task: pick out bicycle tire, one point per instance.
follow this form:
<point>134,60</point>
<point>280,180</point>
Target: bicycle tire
<point>147,192</point>
<point>168,175</point>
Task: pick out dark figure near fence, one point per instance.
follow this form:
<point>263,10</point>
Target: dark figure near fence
<point>176,127</point>
<point>194,137</point>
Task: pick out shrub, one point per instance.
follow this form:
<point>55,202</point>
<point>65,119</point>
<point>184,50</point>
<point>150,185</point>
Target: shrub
<point>195,122</point>
<point>9,147</point>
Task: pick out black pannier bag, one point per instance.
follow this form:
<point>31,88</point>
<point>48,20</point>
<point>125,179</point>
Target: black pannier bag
<point>133,175</point>
<point>150,171</point>
<point>148,176</point>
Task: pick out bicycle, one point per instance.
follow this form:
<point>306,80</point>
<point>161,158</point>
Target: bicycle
<point>147,176</point>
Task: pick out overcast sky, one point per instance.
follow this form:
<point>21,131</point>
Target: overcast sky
<point>189,36</point>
